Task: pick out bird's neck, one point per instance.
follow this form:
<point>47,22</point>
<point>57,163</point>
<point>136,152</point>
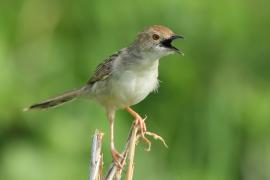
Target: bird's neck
<point>131,59</point>
<point>142,59</point>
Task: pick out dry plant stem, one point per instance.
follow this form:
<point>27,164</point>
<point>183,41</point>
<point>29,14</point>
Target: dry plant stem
<point>131,153</point>
<point>95,171</point>
<point>113,170</point>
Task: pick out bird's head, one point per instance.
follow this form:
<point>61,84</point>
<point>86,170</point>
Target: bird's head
<point>157,40</point>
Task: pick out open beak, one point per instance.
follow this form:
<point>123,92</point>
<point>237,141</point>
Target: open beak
<point>167,43</point>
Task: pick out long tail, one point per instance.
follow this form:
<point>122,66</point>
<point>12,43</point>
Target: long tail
<point>57,100</point>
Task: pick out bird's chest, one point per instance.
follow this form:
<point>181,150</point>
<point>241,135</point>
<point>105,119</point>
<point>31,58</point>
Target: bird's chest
<point>131,87</point>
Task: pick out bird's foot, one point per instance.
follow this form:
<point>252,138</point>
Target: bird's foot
<point>141,123</point>
<point>117,158</point>
<point>156,137</point>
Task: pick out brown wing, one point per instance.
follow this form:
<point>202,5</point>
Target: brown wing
<point>104,69</point>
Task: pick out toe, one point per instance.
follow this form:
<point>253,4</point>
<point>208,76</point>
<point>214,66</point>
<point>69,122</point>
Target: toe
<point>117,157</point>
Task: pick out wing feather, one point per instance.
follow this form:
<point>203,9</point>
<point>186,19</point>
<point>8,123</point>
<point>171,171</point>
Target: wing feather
<point>104,69</point>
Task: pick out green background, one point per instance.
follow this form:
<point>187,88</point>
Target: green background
<point>212,108</point>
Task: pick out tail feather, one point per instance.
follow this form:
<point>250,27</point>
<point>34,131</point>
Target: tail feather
<point>57,100</point>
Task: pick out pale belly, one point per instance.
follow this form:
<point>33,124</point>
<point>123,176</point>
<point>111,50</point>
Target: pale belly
<point>132,88</point>
<point>127,89</point>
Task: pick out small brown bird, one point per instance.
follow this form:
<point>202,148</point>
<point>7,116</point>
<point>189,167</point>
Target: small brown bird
<point>124,78</point>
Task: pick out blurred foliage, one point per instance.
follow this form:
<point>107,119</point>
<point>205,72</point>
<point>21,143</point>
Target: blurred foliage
<point>212,106</point>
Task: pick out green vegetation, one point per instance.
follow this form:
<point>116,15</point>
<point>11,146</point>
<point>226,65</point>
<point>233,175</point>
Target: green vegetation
<point>212,108</point>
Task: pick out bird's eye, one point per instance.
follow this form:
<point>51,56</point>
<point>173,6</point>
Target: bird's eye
<point>155,36</point>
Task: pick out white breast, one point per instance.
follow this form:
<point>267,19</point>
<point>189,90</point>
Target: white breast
<point>132,85</point>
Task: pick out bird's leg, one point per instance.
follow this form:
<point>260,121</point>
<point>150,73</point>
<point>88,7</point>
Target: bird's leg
<point>140,121</point>
<point>115,154</point>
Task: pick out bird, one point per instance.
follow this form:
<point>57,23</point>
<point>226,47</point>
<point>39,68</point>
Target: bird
<point>124,79</point>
